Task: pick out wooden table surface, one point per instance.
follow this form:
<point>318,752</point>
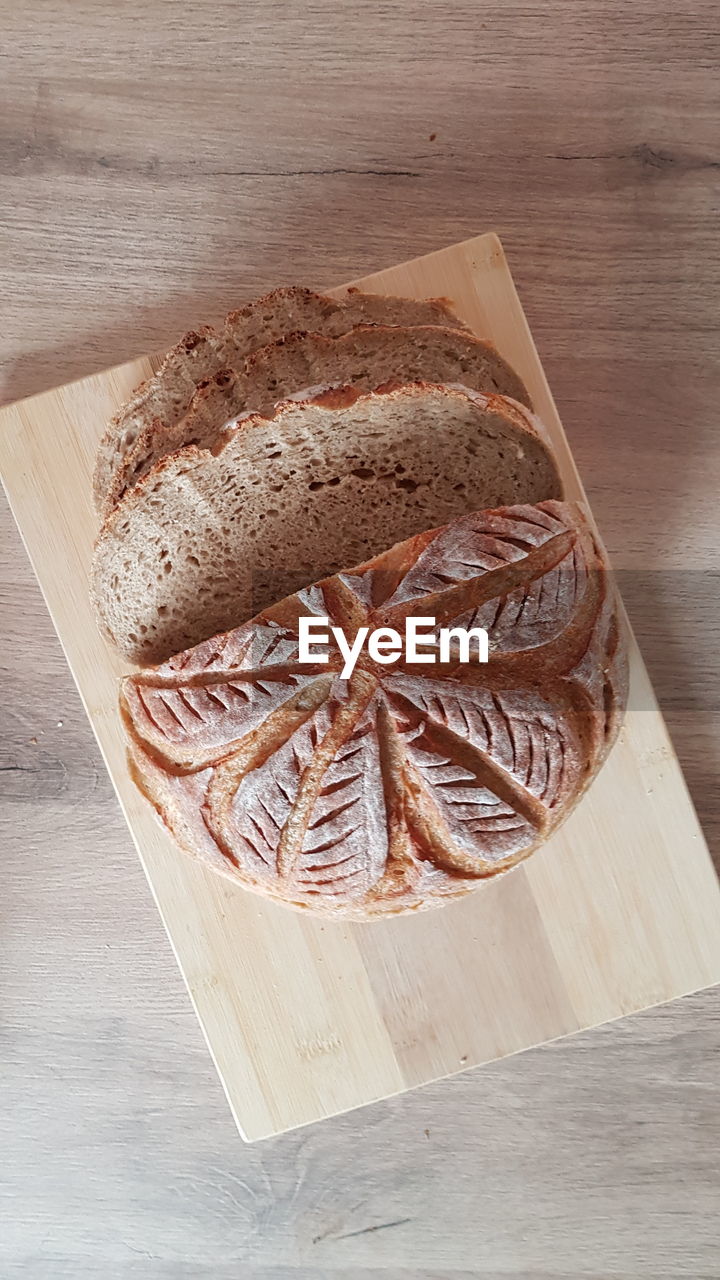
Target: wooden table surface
<point>160,163</point>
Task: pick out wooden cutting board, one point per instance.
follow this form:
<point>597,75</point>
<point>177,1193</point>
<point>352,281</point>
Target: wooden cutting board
<point>307,1018</point>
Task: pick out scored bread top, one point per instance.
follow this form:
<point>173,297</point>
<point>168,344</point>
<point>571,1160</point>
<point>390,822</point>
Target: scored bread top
<point>366,356</point>
<point>405,785</point>
<point>204,352</point>
<point>206,539</point>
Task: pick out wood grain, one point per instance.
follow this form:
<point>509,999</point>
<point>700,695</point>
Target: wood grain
<point>587,135</point>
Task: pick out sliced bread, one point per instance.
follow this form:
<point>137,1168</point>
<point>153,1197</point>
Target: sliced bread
<point>366,357</point>
<point>207,539</point>
<point>201,354</point>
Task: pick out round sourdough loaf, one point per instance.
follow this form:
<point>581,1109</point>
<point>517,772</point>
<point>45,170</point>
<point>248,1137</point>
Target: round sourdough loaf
<point>207,539</point>
<point>407,784</point>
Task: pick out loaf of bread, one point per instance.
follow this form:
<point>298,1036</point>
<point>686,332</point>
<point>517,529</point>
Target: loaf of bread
<point>207,539</point>
<point>165,397</point>
<point>403,785</point>
<point>364,357</point>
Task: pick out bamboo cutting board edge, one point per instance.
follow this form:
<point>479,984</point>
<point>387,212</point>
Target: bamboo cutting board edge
<point>262,1089</point>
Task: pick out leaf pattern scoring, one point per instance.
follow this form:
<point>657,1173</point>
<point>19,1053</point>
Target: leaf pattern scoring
<point>406,784</point>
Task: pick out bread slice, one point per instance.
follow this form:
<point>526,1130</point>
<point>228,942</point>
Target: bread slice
<point>207,539</point>
<point>406,784</point>
<point>201,354</point>
<point>366,357</point>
